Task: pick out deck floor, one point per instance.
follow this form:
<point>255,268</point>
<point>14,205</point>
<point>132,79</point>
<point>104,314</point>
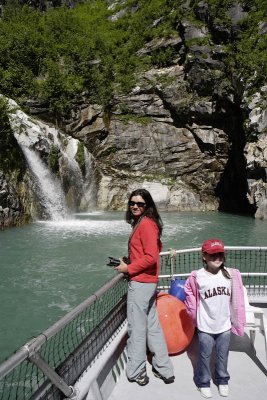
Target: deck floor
<point>248,373</point>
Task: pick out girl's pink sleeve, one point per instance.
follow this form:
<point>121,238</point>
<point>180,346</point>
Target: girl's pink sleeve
<point>191,298</point>
<point>237,303</point>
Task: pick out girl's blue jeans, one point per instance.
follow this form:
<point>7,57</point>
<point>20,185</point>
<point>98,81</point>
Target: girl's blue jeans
<point>207,341</point>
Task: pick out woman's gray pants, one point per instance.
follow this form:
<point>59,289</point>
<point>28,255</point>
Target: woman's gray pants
<point>144,330</point>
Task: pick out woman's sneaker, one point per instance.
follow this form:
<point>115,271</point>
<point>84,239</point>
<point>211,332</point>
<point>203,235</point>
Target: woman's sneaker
<point>158,375</point>
<point>223,390</point>
<point>142,379</point>
<point>205,392</point>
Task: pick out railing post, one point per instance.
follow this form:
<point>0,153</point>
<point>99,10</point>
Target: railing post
<point>172,257</point>
<point>68,391</point>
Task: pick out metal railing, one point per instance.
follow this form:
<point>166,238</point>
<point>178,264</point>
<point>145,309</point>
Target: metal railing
<point>251,261</point>
<point>49,365</point>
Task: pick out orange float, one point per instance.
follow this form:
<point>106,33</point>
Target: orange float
<point>176,324</point>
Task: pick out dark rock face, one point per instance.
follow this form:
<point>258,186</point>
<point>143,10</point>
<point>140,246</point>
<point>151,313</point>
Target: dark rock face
<point>12,174</point>
<point>12,210</point>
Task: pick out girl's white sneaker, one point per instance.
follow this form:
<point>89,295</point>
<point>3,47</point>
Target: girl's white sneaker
<point>205,392</point>
<point>223,390</point>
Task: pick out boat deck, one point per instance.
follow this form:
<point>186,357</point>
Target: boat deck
<point>247,368</point>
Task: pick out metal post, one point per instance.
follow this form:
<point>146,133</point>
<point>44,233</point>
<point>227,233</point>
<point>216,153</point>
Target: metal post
<point>68,391</point>
<point>171,257</point>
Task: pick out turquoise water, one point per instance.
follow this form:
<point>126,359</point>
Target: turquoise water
<point>47,268</point>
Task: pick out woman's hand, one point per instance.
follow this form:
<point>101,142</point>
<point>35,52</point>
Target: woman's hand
<point>122,267</point>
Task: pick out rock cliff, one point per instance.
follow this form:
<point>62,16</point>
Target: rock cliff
<point>189,131</point>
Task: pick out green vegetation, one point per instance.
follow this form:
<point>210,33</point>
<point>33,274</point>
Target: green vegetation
<point>53,159</point>
<point>58,54</point>
<point>10,158</point>
<point>248,56</point>
<point>61,54</point>
<point>143,120</point>
<point>80,158</point>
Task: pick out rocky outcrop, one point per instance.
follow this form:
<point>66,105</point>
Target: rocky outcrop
<point>256,152</point>
<point>188,144</point>
<point>10,207</point>
<point>16,206</point>
<point>13,175</point>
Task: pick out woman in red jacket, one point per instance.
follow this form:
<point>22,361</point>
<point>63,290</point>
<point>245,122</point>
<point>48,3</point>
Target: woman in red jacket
<point>143,325</point>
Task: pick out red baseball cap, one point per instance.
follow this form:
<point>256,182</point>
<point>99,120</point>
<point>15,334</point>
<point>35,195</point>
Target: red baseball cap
<point>212,246</point>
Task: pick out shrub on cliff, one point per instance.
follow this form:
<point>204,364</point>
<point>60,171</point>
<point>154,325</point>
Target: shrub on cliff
<point>65,54</point>
<point>11,157</point>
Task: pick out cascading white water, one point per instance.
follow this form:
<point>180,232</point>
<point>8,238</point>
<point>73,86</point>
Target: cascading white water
<point>69,154</point>
<point>50,192</point>
<point>89,187</point>
<point>34,137</point>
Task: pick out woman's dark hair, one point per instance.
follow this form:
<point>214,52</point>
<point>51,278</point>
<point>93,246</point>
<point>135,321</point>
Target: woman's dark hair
<point>150,210</point>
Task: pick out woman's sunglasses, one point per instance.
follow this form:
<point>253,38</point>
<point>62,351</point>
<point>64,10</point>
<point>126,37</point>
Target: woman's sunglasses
<point>139,204</point>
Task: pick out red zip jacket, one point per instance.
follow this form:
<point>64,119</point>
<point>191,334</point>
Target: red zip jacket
<point>144,249</point>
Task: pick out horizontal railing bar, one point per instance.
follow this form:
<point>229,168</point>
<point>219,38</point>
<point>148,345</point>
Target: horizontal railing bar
<point>196,249</point>
<point>178,275</point>
<point>166,253</point>
<point>260,248</point>
<point>242,273</point>
<point>246,274</point>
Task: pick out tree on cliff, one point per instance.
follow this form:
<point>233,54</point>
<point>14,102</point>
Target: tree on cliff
<point>61,55</point>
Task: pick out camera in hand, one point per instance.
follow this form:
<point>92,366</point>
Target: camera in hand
<point>114,262</point>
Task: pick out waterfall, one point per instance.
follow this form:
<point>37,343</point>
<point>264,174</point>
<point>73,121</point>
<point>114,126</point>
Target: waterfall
<point>49,190</point>
<point>73,167</point>
<point>88,200</point>
<point>38,142</point>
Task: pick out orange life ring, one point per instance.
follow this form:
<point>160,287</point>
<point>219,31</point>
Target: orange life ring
<point>176,324</point>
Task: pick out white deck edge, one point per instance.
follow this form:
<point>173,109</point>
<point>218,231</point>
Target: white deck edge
<point>86,386</point>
